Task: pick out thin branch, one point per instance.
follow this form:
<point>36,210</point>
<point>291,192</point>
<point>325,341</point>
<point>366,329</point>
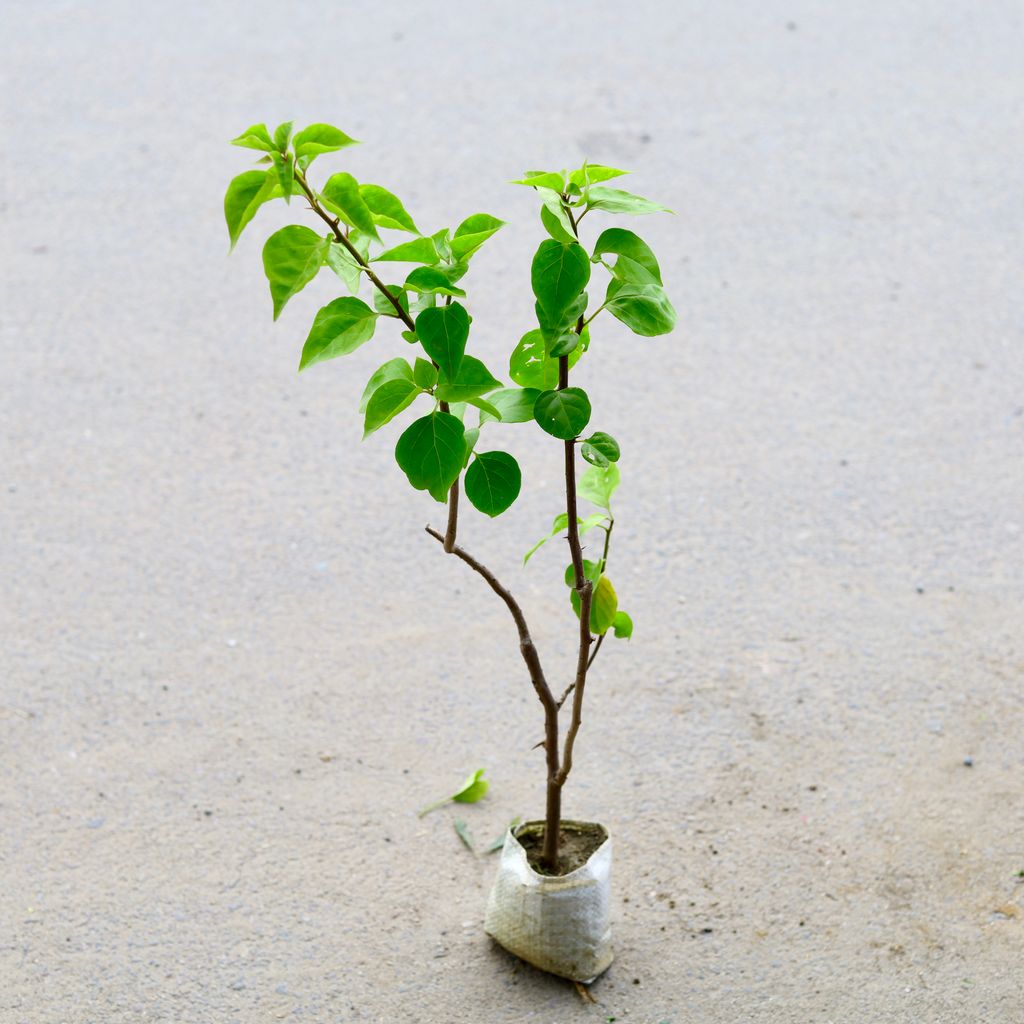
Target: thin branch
<point>453,516</point>
<point>586,596</point>
<point>607,539</point>
<point>590,661</point>
<point>583,587</point>
<point>335,226</point>
<point>526,648</point>
<point>568,212</point>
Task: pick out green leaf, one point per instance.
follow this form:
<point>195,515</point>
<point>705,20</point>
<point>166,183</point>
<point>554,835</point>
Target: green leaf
<point>277,192</point>
<point>484,406</point>
<point>282,136</point>
<point>566,344</point>
<point>598,484</point>
<point>424,373</point>
<point>245,195</point>
<point>419,250</point>
<point>443,243</point>
<point>627,244</point>
<point>462,830</point>
<point>591,174</point>
<point>430,452</point>
<point>338,329</point>
<point>604,605</point>
<point>321,138</point>
<point>559,273</point>
<point>592,455</point>
<point>514,405</point>
<point>631,272</point>
<point>443,331</point>
<point>473,789</point>
<point>557,227</point>
<point>554,331</point>
<point>361,242</point>
<point>393,369</point>
<point>284,168</point>
<point>419,301</point>
<point>387,209</point>
<point>472,380</point>
<point>560,524</point>
<point>472,233</point>
<point>340,260</point>
<point>432,279</point>
<point>493,481</point>
<point>531,367</point>
<point>342,195</point>
<point>410,336</point>
<point>623,625</point>
<point>616,200</point>
<point>605,444</point>
<point>387,402</point>
<point>591,571</point>
<point>384,305</point>
<point>644,308</point>
<point>543,179</point>
<point>471,437</point>
<point>552,202</point>
<point>291,259</point>
<point>563,414</point>
<point>588,524</point>
<point>255,137</point>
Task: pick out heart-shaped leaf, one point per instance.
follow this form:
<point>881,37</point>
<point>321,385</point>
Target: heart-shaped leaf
<point>292,257</point>
<point>563,414</point>
<point>560,271</point>
<point>443,331</point>
<point>430,452</point>
<point>493,481</point>
<point>338,329</point>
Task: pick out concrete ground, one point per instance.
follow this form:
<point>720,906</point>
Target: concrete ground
<point>234,665</point>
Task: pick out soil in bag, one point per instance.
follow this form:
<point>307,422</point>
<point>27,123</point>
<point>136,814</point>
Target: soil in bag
<point>578,843</point>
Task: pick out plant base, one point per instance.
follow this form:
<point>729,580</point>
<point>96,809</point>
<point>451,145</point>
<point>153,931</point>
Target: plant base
<point>559,923</point>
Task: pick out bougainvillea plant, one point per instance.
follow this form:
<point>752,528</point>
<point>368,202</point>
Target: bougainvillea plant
<point>368,239</point>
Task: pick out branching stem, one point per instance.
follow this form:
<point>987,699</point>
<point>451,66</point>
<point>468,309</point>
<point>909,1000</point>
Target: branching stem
<point>340,236</point>
<point>540,683</point>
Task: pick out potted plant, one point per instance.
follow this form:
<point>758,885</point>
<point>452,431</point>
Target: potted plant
<point>550,901</point>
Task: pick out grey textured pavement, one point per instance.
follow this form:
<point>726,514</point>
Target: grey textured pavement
<point>234,665</point>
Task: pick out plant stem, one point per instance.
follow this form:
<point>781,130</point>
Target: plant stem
<point>453,516</point>
<point>540,684</point>
<point>583,587</point>
<point>342,237</point>
<point>434,806</point>
<point>335,226</point>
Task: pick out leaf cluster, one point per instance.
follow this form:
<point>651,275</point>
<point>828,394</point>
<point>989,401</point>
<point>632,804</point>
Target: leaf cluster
<point>375,248</point>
